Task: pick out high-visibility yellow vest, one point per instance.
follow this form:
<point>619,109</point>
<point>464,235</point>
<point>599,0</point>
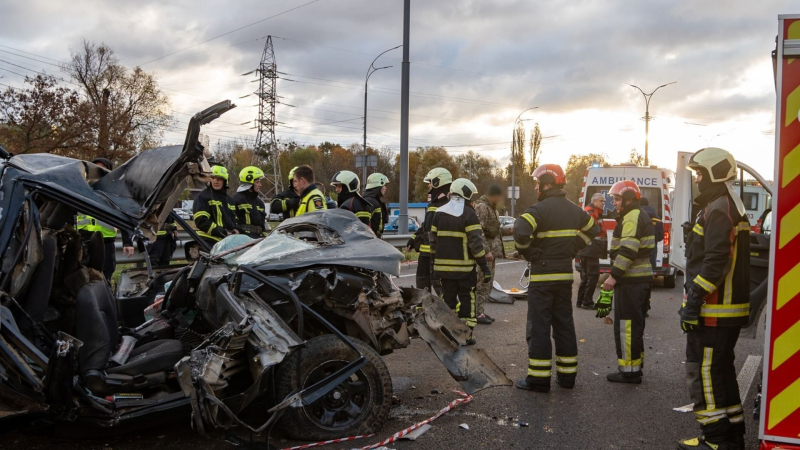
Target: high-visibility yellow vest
<point>89,223</point>
<point>307,204</point>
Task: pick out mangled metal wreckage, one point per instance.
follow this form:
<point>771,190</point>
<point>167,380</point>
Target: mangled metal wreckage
<point>298,319</point>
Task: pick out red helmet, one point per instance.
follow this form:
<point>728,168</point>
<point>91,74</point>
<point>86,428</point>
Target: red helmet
<point>622,187</point>
<point>550,170</point>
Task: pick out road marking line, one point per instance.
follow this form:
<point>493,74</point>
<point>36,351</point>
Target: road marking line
<point>744,379</point>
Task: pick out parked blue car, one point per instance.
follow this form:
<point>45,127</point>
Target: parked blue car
<point>413,224</point>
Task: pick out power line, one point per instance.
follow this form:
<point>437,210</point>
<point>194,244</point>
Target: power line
<point>229,32</point>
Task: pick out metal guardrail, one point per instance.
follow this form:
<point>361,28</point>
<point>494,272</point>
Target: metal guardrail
<point>396,240</point>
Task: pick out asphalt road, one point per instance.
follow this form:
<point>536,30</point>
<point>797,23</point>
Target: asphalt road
<point>595,414</point>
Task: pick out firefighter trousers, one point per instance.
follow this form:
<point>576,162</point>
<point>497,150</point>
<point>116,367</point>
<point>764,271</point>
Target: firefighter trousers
<point>590,274</point>
<point>550,308</point>
<point>459,295</point>
<point>483,290</point>
<point>629,307</point>
<point>425,275</point>
<point>109,258</point>
<point>160,252</point>
<point>711,378</point>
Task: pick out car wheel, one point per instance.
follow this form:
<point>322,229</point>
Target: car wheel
<point>669,281</point>
<point>358,406</point>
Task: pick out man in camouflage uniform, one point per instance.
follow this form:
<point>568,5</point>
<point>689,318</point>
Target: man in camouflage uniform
<point>486,209</point>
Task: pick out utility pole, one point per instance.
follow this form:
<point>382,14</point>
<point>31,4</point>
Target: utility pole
<point>372,69</point>
<point>266,145</point>
<point>647,118</point>
<point>514,159</point>
<point>402,220</point>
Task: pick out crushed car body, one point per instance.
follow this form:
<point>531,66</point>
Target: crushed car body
<point>298,319</point>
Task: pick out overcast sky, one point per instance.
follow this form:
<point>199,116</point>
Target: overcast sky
<point>475,65</point>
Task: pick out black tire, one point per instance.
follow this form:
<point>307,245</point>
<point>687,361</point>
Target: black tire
<point>358,406</point>
<point>669,281</point>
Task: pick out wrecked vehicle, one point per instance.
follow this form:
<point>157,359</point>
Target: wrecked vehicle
<point>297,320</point>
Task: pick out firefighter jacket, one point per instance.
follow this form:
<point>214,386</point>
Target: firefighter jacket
<point>214,214</point>
<point>658,230</point>
<point>490,224</point>
<point>357,205</point>
<point>420,241</point>
<point>718,263</point>
<point>598,248</point>
<point>285,202</point>
<point>166,232</point>
<point>456,240</point>
<point>251,214</point>
<point>311,199</point>
<point>631,245</point>
<point>550,233</point>
<point>380,212</point>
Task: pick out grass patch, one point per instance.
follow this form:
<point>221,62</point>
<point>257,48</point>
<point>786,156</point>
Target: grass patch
<point>409,256</point>
<point>509,247</point>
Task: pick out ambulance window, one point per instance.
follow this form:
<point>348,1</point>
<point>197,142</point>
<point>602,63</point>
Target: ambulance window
<point>750,201</point>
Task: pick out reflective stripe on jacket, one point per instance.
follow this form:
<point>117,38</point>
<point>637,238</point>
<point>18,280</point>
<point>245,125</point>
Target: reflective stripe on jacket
<point>214,214</point>
<point>90,224</point>
<point>718,263</point>
<point>421,237</point>
<point>361,208</point>
<point>631,245</point>
<point>456,244</point>
<point>550,233</point>
<point>251,213</point>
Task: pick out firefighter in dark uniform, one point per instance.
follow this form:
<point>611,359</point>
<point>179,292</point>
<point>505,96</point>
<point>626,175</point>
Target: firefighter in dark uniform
<point>160,251</point>
<point>286,202</point>
<point>439,180</point>
<point>631,274</point>
<point>311,199</point>
<point>456,242</point>
<point>373,193</point>
<point>214,213</point>
<point>548,235</point>
<point>346,184</point>
<point>717,302</point>
<point>591,255</point>
<point>250,209</point>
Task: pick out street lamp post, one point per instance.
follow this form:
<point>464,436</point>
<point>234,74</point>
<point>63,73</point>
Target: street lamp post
<point>372,69</point>
<point>514,160</point>
<point>647,98</point>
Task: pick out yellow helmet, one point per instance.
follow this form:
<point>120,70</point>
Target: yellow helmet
<point>291,173</point>
<point>464,188</point>
<point>719,164</point>
<point>438,177</point>
<point>376,180</point>
<point>250,174</point>
<point>219,172</point>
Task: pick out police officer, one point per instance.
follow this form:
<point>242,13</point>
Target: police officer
<point>373,193</point>
<point>547,235</point>
<point>591,255</point>
<point>439,180</point>
<point>346,184</point>
<point>311,199</point>
<point>631,275</point>
<point>286,202</point>
<point>456,244</point>
<point>486,209</point>
<point>88,225</point>
<point>250,209</point>
<point>214,213</point>
<point>717,301</point>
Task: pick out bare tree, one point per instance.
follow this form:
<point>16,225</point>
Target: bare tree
<point>535,145</point>
<point>636,158</point>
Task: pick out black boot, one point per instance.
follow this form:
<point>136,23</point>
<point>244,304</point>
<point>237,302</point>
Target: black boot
<point>736,437</point>
<point>701,444</point>
<point>565,382</point>
<point>529,384</point>
<point>588,305</point>
<point>620,377</point>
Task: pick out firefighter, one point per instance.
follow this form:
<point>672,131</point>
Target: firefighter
<point>456,243</point>
<point>251,212</point>
<point>547,235</point>
<point>591,255</point>
<point>631,274</point>
<point>717,302</point>
<point>88,225</point>
<point>439,180</point>
<point>160,251</point>
<point>214,213</point>
<point>286,202</point>
<point>486,209</point>
<point>373,193</point>
<point>658,229</point>
<point>346,184</point>
<point>311,199</point>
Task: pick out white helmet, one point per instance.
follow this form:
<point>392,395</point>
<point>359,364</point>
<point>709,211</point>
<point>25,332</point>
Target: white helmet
<point>719,164</point>
<point>438,177</point>
<point>347,179</point>
<point>376,180</point>
<point>464,188</point>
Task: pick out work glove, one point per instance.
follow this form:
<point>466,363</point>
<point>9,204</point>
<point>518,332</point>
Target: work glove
<point>603,303</point>
<point>690,313</point>
<point>487,274</point>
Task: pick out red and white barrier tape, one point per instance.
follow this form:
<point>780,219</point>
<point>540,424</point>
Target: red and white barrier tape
<point>465,398</point>
<point>335,441</point>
